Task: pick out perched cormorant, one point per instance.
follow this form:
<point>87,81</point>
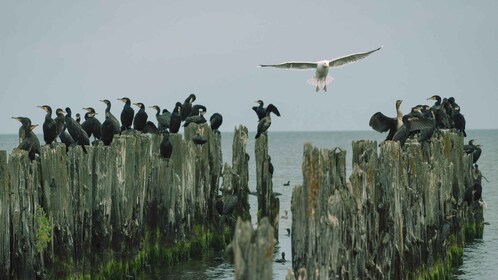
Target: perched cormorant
<point>92,125</point>
<point>166,148</point>
<point>140,118</point>
<point>108,129</point>
<point>127,114</point>
<point>176,118</point>
<point>196,109</point>
<point>440,116</point>
<point>49,126</point>
<point>265,122</point>
<point>187,106</point>
<point>473,193</point>
<point>64,136</point>
<point>282,260</point>
<point>198,139</point>
<point>287,184</point>
<point>78,118</point>
<point>114,123</point>
<point>474,150</point>
<point>227,206</point>
<point>458,120</point>
<point>426,133</point>
<point>216,120</point>
<point>412,122</point>
<point>162,119</point>
<point>381,123</point>
<point>31,144</point>
<point>76,131</point>
<point>25,122</point>
<point>198,119</point>
<point>270,166</point>
<point>151,128</point>
<point>261,110</point>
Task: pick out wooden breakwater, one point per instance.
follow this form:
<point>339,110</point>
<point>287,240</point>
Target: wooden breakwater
<point>399,216</point>
<point>105,214</point>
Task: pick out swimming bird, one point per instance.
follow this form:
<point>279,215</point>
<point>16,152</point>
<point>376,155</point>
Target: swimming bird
<point>127,114</point>
<point>215,121</point>
<point>140,118</point>
<point>265,122</point>
<point>166,148</point>
<point>108,129</point>
<point>282,260</point>
<point>75,130</point>
<point>92,125</point>
<point>321,78</point>
<point>49,126</point>
<point>114,123</point>
<point>162,119</point>
<point>31,144</point>
<point>381,123</point>
<point>187,106</point>
<point>176,118</point>
<point>22,130</point>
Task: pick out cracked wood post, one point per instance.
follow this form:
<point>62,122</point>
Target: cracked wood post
<point>4,217</point>
<point>268,203</point>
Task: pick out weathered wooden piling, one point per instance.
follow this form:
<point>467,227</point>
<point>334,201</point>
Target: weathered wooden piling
<point>268,203</point>
<point>253,250</point>
<point>109,211</point>
<point>399,216</point>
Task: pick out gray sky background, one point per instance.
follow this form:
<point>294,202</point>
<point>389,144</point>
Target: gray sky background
<point>68,53</point>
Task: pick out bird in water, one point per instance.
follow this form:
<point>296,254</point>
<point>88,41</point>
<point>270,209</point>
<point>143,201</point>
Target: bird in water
<point>114,123</point>
<point>140,118</point>
<point>166,148</point>
<point>261,110</point>
<point>127,114</point>
<point>25,122</point>
<point>187,106</point>
<point>30,143</point>
<point>265,122</point>
<point>282,260</point>
<point>92,125</point>
<point>49,126</point>
<point>198,119</point>
<point>108,129</point>
<point>64,136</point>
<point>321,78</point>
<point>215,122</point>
<point>381,123</point>
<point>176,118</point>
<point>474,150</point>
<point>162,119</point>
<point>76,131</point>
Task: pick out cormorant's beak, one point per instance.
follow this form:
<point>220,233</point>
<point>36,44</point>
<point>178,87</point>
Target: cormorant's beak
<point>102,101</point>
<point>431,98</point>
<point>121,99</point>
<point>42,107</point>
<point>86,109</point>
<point>16,118</point>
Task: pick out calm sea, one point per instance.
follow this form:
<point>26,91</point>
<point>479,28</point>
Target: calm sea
<point>286,148</point>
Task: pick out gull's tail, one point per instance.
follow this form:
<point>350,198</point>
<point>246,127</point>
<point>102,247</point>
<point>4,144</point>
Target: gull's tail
<point>320,83</point>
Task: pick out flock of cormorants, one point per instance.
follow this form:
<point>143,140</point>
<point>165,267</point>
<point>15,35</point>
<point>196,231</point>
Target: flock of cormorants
<point>71,132</point>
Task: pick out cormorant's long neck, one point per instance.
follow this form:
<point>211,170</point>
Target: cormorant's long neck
<point>158,111</point>
<point>108,109</point>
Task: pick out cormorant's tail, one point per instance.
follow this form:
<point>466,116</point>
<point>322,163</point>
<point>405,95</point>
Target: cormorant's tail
<point>320,83</point>
<point>257,135</point>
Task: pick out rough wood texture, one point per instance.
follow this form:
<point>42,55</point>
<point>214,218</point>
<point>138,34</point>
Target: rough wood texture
<point>268,203</point>
<point>399,216</point>
<point>101,205</point>
<point>253,250</point>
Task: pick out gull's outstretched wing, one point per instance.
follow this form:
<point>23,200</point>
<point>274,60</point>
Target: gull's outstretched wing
<point>296,65</point>
<point>350,58</point>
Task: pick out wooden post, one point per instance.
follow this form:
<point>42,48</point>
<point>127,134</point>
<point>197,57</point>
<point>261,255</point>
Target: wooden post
<point>253,250</point>
<point>4,217</point>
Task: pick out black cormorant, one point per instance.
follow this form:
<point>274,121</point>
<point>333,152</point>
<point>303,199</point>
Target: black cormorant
<point>166,148</point>
<point>140,118</point>
<point>270,166</point>
<point>473,193</point>
<point>474,150</point>
<point>31,144</point>
<point>114,123</point>
<point>25,122</point>
<point>287,184</point>
<point>440,116</point>
<point>261,110</point>
<point>176,118</point>
<point>426,133</point>
<point>198,119</point>
<point>381,123</point>
<point>196,109</point>
<point>198,139</point>
<point>49,126</point>
<point>282,260</point>
<point>92,125</point>
<point>127,114</point>
<point>265,122</point>
<point>75,130</point>
<point>215,121</point>
<point>78,118</point>
<point>162,119</point>
<point>187,106</point>
<point>151,128</point>
<point>64,136</point>
<point>458,120</point>
<point>108,129</point>
<point>413,122</point>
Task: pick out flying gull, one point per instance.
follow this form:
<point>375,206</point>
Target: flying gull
<point>321,79</point>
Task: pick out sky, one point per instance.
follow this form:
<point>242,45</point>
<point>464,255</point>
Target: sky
<point>74,53</point>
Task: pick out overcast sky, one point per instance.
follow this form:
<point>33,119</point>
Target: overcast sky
<point>68,53</point>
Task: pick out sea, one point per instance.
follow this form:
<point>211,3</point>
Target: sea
<point>286,150</point>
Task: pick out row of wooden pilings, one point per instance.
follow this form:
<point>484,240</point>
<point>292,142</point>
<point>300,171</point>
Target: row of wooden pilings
<point>108,212</point>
